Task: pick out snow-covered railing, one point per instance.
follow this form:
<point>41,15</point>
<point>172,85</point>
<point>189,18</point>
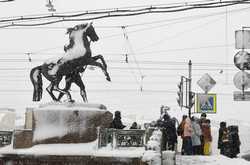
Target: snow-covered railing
<point>7,125</point>
<point>121,138</point>
<point>5,137</point>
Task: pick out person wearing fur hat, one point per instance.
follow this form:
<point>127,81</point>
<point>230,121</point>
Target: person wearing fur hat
<point>117,123</point>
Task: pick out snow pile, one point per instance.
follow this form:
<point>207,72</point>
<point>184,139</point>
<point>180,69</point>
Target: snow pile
<point>154,142</point>
<point>80,149</point>
<point>168,157</point>
<point>152,155</point>
<point>54,149</point>
<point>7,119</point>
<point>210,160</point>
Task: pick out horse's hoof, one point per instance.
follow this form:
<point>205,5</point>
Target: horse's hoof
<point>108,79</point>
<point>69,101</point>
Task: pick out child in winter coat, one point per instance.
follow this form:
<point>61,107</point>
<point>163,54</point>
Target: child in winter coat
<point>206,131</point>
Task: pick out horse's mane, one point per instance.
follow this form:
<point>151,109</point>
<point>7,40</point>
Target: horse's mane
<point>70,45</point>
<point>71,40</point>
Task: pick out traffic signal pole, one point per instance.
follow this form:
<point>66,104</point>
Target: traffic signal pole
<point>190,87</point>
<point>186,98</point>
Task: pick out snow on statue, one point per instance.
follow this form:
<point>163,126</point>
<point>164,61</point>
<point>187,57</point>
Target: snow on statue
<point>77,56</point>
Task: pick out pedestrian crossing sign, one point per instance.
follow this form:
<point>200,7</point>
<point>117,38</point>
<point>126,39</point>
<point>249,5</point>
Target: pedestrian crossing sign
<point>206,103</point>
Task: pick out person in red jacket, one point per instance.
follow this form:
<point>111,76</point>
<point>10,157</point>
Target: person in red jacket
<point>187,141</point>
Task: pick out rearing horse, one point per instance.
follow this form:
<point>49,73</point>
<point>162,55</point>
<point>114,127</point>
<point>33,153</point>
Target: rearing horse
<point>77,55</point>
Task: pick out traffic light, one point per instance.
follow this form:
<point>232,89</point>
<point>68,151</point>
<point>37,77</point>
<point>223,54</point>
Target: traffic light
<point>180,94</point>
<point>191,99</point>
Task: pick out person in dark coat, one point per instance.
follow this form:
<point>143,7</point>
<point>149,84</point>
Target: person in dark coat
<point>202,121</point>
<point>117,123</point>
<point>234,141</point>
<point>169,136</point>
<point>134,126</point>
<point>223,137</point>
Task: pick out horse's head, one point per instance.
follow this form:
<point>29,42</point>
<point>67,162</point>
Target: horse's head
<point>90,31</point>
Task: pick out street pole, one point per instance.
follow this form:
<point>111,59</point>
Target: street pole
<point>190,87</point>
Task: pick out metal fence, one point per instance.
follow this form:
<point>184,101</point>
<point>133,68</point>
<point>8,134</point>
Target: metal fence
<point>5,137</point>
<point>121,138</point>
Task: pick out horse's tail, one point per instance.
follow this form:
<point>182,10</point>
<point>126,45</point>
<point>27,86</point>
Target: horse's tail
<point>36,79</point>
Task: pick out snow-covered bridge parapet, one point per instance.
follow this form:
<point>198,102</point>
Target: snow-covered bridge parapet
<point>65,123</point>
<point>121,138</point>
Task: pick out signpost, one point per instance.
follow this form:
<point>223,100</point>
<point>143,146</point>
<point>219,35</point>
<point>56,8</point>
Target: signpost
<point>185,94</point>
<point>206,103</point>
<point>206,82</point>
<point>240,96</point>
<point>242,61</point>
<point>242,39</point>
<point>242,82</point>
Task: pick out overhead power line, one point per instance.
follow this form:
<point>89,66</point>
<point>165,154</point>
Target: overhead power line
<point>118,12</point>
<point>172,21</point>
<point>43,51</point>
<point>144,62</point>
<point>124,68</point>
<point>6,0</point>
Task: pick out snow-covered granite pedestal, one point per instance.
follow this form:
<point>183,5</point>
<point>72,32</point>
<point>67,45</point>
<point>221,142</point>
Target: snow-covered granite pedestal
<point>62,123</point>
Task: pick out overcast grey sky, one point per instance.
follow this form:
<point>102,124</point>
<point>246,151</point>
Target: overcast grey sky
<point>202,35</point>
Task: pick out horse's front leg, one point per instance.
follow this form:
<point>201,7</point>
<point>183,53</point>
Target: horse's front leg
<point>95,63</point>
<point>102,60</point>
<point>68,80</point>
<point>50,91</point>
<point>64,92</point>
<point>78,81</point>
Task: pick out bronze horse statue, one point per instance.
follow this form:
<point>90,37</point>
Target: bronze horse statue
<point>77,56</point>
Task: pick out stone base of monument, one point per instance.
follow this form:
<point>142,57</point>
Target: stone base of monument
<point>62,123</point>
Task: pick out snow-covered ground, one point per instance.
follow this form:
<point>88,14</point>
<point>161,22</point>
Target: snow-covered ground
<point>210,160</point>
<point>89,149</point>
